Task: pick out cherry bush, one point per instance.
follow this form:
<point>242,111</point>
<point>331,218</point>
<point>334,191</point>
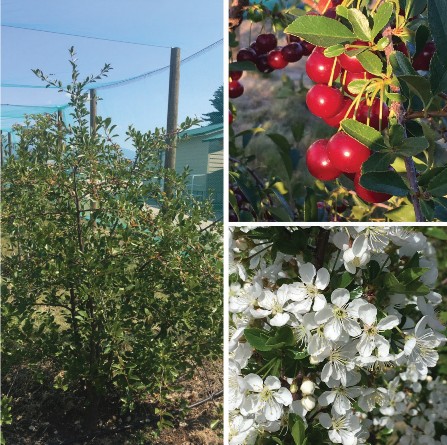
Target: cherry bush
<point>334,337</point>
<point>379,70</point>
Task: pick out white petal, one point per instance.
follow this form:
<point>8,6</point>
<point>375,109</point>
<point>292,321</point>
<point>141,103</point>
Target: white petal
<point>341,404</point>
<point>272,410</point>
<point>324,315</point>
<point>350,267</point>
<point>389,322</point>
<point>348,438</point>
<point>254,382</point>
<point>332,329</point>
<point>327,398</point>
<point>420,327</point>
<point>284,396</point>
<point>279,319</point>
<point>409,345</point>
<point>352,327</point>
<point>360,245</point>
<point>297,292</point>
<point>268,300</point>
<point>348,256</point>
<point>272,382</point>
<point>307,273</point>
<point>340,297</point>
<point>366,345</point>
<point>319,302</point>
<point>368,313</point>
<point>325,420</point>
<point>323,278</point>
<point>301,307</point>
<point>334,436</point>
<point>250,405</point>
<point>341,240</point>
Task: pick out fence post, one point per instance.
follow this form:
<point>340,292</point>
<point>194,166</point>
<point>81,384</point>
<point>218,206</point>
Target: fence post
<point>9,144</point>
<point>171,127</point>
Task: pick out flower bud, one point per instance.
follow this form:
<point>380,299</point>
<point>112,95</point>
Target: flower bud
<point>307,387</point>
<point>313,360</point>
<point>308,402</point>
<point>293,388</point>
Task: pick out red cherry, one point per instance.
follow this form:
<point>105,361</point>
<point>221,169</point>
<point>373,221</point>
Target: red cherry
<point>293,39</point>
<point>373,112</point>
<point>307,48</point>
<point>230,117</point>
<point>324,101</point>
<point>422,60</point>
<point>266,42</point>
<point>263,65</point>
<point>236,75</point>
<point>346,153</point>
<point>318,162</point>
<point>351,63</point>
<point>292,52</point>
<point>368,195</point>
<point>319,67</point>
<point>335,120</point>
<point>246,54</point>
<point>276,60</point>
<point>348,77</point>
<point>335,3</point>
<point>402,48</point>
<point>331,13</point>
<point>235,89</point>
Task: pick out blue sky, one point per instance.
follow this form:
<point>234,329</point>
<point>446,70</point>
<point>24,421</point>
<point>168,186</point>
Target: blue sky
<point>190,25</point>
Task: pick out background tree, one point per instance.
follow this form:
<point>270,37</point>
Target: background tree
<point>215,117</point>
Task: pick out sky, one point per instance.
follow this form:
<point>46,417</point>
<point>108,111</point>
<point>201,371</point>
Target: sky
<point>189,25</point>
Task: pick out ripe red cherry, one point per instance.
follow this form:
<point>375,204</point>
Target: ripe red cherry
<point>368,195</point>
<point>235,89</point>
<point>293,39</point>
<point>292,52</point>
<point>246,54</point>
<point>266,42</point>
<point>335,3</point>
<point>318,162</point>
<point>373,112</point>
<point>319,67</point>
<point>422,60</point>
<point>351,63</point>
<point>276,59</point>
<point>346,154</point>
<point>307,48</point>
<point>230,117</point>
<point>236,75</point>
<point>348,77</point>
<point>331,13</point>
<point>335,120</point>
<point>324,101</point>
<point>262,64</point>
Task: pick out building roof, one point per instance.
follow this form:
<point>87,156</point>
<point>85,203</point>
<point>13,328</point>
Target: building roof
<point>203,131</point>
<point>214,137</point>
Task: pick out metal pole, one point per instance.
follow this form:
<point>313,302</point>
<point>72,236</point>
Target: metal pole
<point>171,127</point>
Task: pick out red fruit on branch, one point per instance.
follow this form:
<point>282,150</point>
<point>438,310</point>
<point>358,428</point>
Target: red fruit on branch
<point>346,153</point>
<point>351,63</point>
<point>266,42</point>
<point>348,77</point>
<point>235,89</point>
<point>402,48</point>
<point>293,39</point>
<point>230,117</point>
<point>368,195</point>
<point>246,55</point>
<point>342,114</point>
<point>307,48</point>
<point>324,101</point>
<point>423,59</point>
<point>236,75</point>
<point>292,52</point>
<point>276,59</point>
<point>262,64</point>
<point>318,162</point>
<point>331,13</point>
<point>319,67</point>
<point>373,111</point>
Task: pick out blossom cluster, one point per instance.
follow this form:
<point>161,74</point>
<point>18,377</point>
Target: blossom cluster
<point>363,337</point>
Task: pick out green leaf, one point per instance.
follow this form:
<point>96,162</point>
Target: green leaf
<point>320,30</point>
<point>414,8</point>
<point>382,17</point>
<point>378,162</point>
<point>342,11</point>
<point>401,64</point>
<point>371,62</point>
<point>437,232</point>
<point>412,146</point>
<point>438,185</point>
<point>242,66</point>
<point>384,182</point>
<point>356,86</point>
<point>342,280</point>
<point>299,355</point>
<point>334,50</point>
<point>404,213</point>
<point>437,14</point>
<point>360,24</point>
<point>364,134</point>
<point>297,429</point>
<point>284,150</point>
<point>407,276</point>
<point>257,338</point>
<point>422,35</point>
<point>283,337</point>
<point>426,177</point>
<point>418,85</point>
<point>438,76</point>
<point>396,135</point>
<point>310,206</point>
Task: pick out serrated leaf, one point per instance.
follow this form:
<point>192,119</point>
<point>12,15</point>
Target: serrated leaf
<point>438,76</point>
<point>284,150</point>
<point>437,13</point>
<point>418,85</point>
<point>414,8</point>
<point>378,162</point>
<point>382,43</point>
<point>320,30</point>
<point>342,11</point>
<point>334,50</point>
<point>412,146</point>
<point>384,182</point>
<point>382,17</point>
<point>356,86</point>
<point>360,24</point>
<point>396,135</point>
<point>371,62</point>
<point>438,185</point>
<point>298,430</point>
<point>257,338</point>
<point>401,64</point>
<point>364,134</point>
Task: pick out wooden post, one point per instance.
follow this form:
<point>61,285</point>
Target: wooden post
<point>92,111</point>
<point>60,120</point>
<point>9,144</point>
<point>1,148</point>
<point>171,127</point>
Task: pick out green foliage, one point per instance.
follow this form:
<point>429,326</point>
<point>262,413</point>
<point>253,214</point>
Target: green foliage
<point>113,282</point>
<point>216,116</point>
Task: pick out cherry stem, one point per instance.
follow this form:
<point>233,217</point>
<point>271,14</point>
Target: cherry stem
<point>331,80</point>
